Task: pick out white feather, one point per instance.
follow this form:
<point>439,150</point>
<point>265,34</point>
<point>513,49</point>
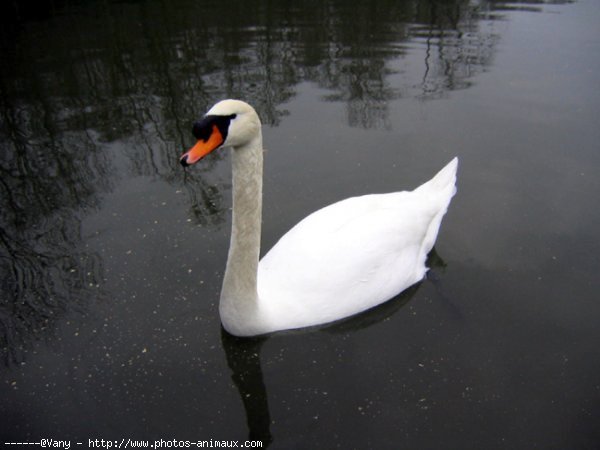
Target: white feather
<point>353,255</point>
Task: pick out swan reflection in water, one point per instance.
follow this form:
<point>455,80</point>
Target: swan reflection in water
<point>243,358</point>
<point>243,354</point>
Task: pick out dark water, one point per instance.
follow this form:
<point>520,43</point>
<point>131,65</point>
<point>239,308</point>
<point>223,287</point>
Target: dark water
<point>111,256</point>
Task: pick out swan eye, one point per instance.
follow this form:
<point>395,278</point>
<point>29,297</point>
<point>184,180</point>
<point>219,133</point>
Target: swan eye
<point>203,129</point>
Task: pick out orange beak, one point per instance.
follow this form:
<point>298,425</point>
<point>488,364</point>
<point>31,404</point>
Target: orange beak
<point>202,148</point>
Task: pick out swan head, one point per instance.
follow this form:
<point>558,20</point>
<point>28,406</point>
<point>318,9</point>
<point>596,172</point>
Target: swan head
<point>229,123</point>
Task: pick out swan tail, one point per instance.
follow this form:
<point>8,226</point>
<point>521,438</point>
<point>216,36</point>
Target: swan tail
<point>444,180</point>
<point>443,186</point>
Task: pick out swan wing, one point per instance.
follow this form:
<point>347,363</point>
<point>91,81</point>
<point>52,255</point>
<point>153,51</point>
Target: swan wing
<point>353,255</point>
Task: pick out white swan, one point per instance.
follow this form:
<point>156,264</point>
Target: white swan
<point>338,261</point>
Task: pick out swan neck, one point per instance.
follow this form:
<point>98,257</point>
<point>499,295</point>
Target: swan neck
<point>239,298</point>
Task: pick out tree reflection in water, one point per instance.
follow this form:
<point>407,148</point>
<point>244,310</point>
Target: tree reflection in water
<point>98,91</point>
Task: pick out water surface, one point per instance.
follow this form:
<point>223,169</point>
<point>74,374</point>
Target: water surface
<point>111,256</point>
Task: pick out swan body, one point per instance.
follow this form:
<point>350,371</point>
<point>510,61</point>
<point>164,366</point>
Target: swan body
<point>339,261</point>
